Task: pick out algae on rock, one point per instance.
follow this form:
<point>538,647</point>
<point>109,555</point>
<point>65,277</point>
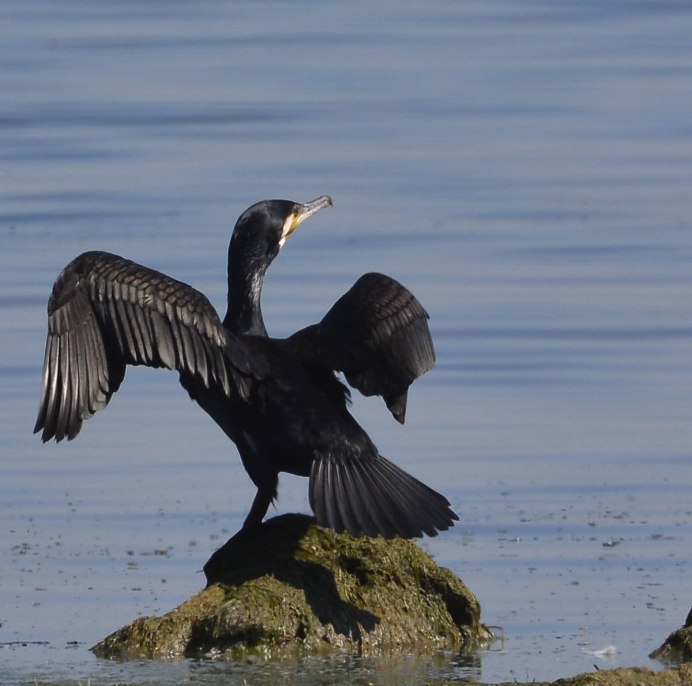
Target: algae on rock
<point>628,676</point>
<point>677,647</point>
<point>293,587</point>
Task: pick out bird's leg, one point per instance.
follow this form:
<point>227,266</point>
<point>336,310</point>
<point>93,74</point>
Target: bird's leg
<point>266,492</point>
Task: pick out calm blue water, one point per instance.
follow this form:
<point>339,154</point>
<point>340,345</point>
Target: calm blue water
<point>525,168</point>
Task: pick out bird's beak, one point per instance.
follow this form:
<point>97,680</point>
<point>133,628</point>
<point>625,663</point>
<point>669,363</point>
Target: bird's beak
<point>302,212</point>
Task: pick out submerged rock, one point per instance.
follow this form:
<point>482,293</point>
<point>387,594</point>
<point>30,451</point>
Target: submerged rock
<point>293,587</point>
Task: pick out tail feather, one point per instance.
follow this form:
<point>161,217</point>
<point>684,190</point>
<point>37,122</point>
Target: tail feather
<point>392,501</point>
<point>375,497</point>
<point>330,503</point>
<point>352,521</point>
<point>408,492</point>
<point>341,484</point>
<point>414,490</point>
<point>376,519</point>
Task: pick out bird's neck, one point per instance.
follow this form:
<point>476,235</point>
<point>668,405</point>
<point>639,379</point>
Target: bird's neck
<point>244,313</point>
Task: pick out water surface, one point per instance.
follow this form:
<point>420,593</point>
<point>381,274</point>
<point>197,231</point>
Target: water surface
<point>523,167</point>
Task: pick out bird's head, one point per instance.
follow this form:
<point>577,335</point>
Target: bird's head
<point>263,228</point>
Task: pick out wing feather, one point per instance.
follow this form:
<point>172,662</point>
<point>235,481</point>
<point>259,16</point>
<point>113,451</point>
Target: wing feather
<point>377,334</point>
<point>106,312</point>
<point>161,335</point>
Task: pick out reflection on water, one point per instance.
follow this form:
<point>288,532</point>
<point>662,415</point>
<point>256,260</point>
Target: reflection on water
<point>389,671</point>
<point>525,173</point>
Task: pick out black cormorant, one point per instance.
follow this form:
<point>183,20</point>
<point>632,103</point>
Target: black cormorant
<point>278,400</point>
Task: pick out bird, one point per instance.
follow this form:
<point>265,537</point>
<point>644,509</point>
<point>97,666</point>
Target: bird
<point>281,401</point>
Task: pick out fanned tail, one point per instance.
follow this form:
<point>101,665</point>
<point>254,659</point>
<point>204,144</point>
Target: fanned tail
<point>375,497</point>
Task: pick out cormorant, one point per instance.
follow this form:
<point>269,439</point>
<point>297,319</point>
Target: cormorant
<point>278,400</point>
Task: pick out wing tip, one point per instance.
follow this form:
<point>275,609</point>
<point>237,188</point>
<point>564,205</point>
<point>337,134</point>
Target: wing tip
<point>397,406</point>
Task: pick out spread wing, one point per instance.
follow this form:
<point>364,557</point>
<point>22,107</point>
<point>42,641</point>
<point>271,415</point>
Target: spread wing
<point>376,334</point>
<point>106,312</point>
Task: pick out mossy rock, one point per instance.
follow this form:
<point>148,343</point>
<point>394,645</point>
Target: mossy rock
<point>630,676</point>
<point>294,588</point>
<point>676,648</point>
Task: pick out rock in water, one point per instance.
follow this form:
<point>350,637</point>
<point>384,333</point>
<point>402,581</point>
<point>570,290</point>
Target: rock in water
<point>677,647</point>
<point>292,587</point>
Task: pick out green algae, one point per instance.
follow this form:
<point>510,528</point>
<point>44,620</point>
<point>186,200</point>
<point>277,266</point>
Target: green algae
<point>676,648</point>
<point>295,588</point>
<point>630,676</point>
